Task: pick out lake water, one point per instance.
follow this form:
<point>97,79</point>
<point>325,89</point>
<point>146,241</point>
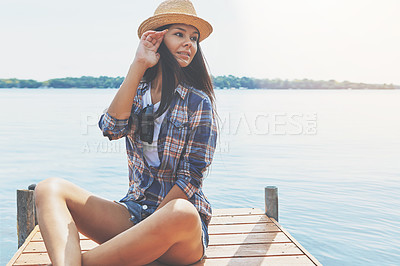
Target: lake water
<point>334,156</point>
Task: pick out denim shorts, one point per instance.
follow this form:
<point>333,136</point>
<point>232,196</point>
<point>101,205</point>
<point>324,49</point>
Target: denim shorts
<point>140,212</point>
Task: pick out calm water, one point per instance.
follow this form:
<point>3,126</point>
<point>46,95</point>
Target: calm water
<point>334,156</point>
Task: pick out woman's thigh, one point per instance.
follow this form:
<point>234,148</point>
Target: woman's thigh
<point>97,218</point>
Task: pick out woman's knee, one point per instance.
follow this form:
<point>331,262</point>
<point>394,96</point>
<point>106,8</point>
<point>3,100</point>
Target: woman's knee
<point>183,214</point>
<point>49,188</point>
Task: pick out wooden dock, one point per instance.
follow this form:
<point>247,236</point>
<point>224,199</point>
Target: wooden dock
<point>240,236</point>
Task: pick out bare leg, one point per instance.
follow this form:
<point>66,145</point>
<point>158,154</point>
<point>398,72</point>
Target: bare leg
<point>171,235</point>
<point>63,208</point>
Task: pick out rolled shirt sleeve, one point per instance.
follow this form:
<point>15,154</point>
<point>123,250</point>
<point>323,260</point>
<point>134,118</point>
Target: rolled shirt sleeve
<point>113,128</point>
<point>199,150</point>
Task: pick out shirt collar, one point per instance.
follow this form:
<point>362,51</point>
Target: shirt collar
<point>182,91</point>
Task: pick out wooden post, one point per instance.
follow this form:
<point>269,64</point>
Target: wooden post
<point>26,214</point>
<point>271,202</point>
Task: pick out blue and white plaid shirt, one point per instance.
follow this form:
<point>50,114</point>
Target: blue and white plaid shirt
<point>186,146</point>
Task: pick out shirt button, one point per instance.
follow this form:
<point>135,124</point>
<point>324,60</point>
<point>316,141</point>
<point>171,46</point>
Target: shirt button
<point>144,207</point>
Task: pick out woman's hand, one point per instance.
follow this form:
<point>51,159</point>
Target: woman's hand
<point>146,53</point>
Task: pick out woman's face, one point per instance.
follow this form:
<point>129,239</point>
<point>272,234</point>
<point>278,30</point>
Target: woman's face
<point>181,40</point>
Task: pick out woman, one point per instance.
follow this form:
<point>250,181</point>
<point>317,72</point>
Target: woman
<point>165,109</point>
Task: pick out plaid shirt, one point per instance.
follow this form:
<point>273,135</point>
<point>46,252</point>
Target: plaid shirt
<point>185,146</point>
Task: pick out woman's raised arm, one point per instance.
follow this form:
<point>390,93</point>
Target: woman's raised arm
<point>146,57</point>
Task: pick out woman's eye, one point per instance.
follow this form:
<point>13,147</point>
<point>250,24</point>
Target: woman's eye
<point>179,34</point>
<point>194,39</point>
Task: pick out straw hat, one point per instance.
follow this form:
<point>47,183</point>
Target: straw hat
<point>176,11</point>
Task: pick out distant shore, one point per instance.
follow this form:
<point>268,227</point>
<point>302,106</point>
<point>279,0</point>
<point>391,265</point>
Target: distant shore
<point>219,82</point>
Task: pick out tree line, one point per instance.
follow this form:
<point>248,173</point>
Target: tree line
<point>253,83</point>
<point>82,82</point>
<point>220,82</point>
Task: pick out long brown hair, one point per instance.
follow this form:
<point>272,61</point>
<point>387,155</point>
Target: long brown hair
<point>195,75</point>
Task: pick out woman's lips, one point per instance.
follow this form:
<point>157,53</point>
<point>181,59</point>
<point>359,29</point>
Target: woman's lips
<point>184,55</point>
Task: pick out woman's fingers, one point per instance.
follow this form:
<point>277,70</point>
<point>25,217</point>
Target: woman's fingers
<point>152,40</point>
<point>147,33</point>
<point>153,36</point>
<point>160,36</point>
<point>159,40</point>
<point>149,38</point>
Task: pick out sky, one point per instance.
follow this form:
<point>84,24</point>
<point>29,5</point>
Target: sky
<point>353,40</point>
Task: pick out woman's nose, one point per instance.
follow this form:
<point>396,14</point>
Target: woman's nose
<point>187,43</point>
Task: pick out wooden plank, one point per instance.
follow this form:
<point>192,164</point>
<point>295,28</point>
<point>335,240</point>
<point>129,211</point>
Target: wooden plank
<point>311,257</point>
<point>38,237</point>
<point>256,238</point>
<point>21,249</point>
<point>39,247</point>
<point>258,261</point>
<point>237,211</point>
<point>32,259</point>
<point>242,219</point>
<point>243,228</point>
<point>253,250</point>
